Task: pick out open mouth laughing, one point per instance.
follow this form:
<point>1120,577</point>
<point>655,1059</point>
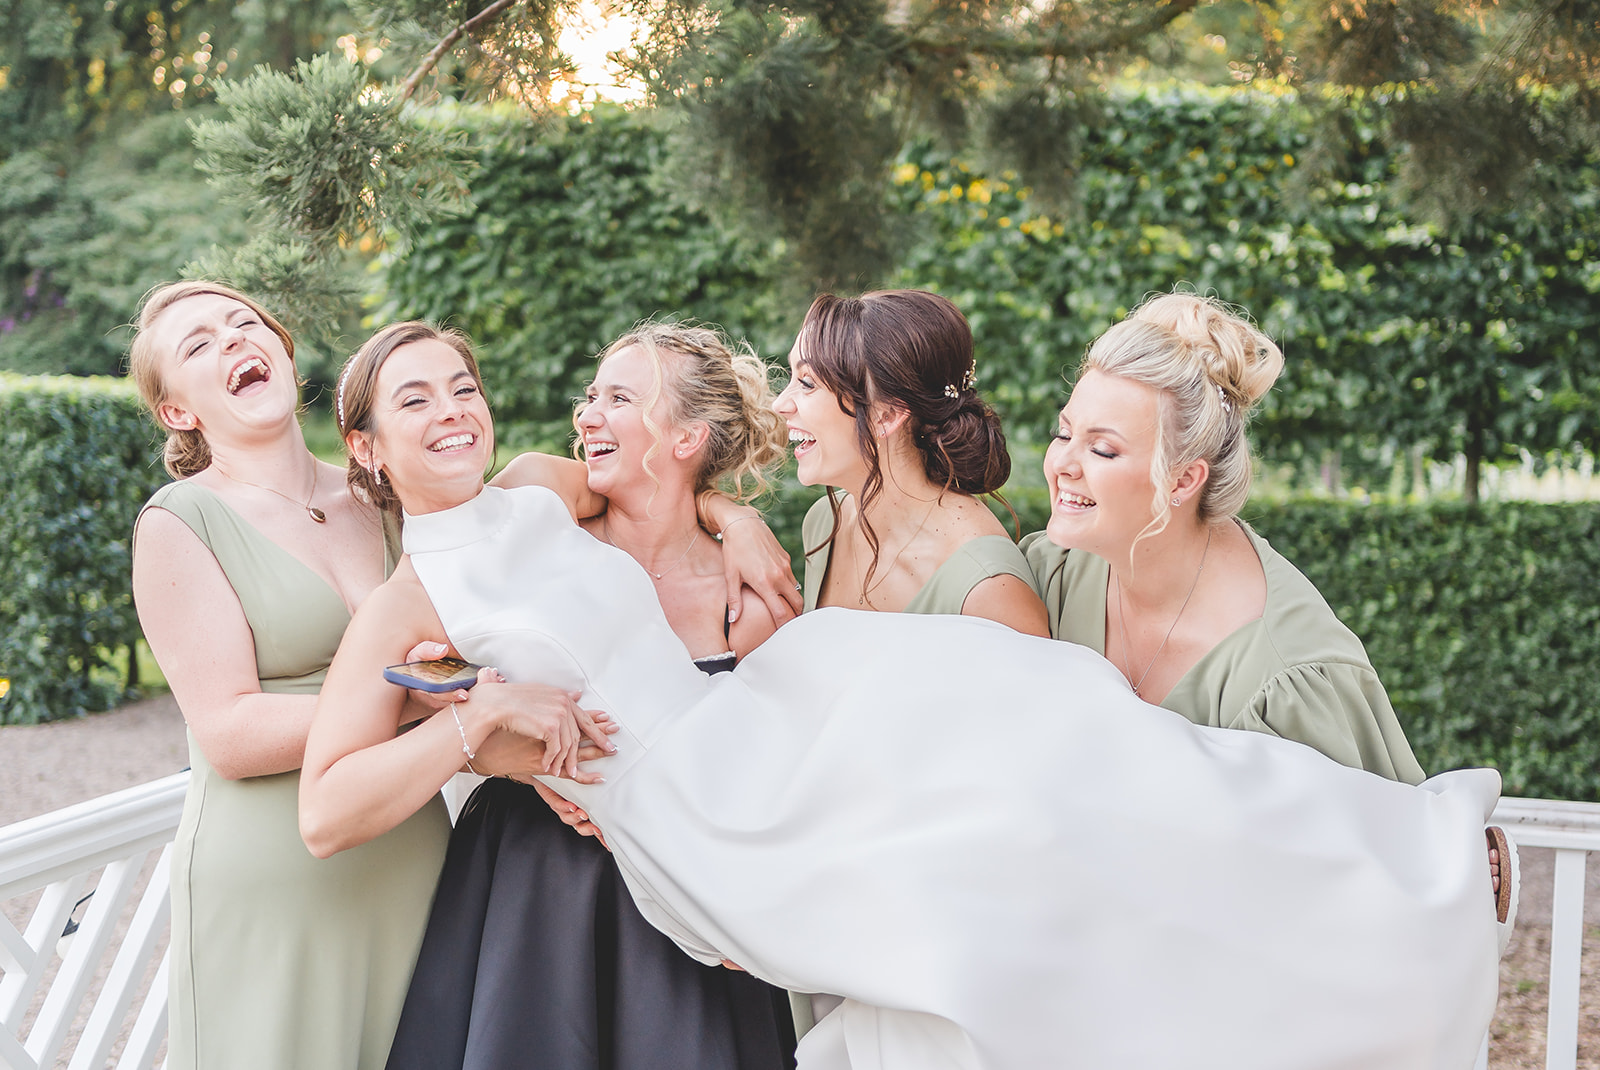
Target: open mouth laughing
<point>594,449</point>
<point>802,441</point>
<point>247,373</point>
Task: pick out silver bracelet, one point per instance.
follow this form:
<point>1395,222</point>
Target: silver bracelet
<point>465,748</point>
<point>735,520</point>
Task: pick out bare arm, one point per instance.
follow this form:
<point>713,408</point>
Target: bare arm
<point>567,477</point>
<point>198,633</point>
<point>1010,601</point>
<point>360,779</point>
<point>751,557</point>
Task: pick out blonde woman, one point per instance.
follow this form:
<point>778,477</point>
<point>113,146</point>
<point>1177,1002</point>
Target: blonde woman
<point>1146,561</point>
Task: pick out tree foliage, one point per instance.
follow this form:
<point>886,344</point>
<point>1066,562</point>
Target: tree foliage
<point>574,238</point>
<point>99,199</point>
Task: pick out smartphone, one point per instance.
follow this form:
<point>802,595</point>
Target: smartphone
<point>441,674</point>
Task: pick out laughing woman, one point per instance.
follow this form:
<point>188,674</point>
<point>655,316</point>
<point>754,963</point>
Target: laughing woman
<point>1146,560</point>
<point>245,572</point>
<point>882,405</point>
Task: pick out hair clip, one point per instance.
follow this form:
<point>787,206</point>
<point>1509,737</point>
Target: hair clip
<point>1222,396</point>
<point>968,382</point>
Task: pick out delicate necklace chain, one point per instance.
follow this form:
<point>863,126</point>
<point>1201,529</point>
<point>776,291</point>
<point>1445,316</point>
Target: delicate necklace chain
<point>314,513</point>
<point>1122,622</point>
<point>861,599</point>
<point>605,526</point>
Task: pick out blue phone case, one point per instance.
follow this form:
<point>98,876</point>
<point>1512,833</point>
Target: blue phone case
<point>398,674</point>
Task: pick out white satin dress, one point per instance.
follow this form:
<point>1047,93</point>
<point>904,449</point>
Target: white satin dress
<point>985,842</point>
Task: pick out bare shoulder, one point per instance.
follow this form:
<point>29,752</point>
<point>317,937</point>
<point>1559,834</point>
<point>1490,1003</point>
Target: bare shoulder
<point>966,517</point>
<point>399,600</point>
<point>567,477</point>
<point>1009,600</point>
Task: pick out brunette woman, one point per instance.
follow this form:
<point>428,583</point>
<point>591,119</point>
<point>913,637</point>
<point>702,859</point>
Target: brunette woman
<point>882,405</point>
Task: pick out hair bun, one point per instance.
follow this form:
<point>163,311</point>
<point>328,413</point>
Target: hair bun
<point>1241,360</point>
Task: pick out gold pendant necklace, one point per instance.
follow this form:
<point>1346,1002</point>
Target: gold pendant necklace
<point>314,513</point>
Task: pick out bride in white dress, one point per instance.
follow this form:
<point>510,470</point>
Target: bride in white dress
<point>998,854</point>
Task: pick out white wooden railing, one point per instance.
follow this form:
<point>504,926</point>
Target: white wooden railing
<point>48,983</point>
<point>51,967</point>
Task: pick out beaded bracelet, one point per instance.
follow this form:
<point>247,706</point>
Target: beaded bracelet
<point>465,749</point>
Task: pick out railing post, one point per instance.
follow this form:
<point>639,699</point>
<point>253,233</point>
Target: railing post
<point>1566,950</point>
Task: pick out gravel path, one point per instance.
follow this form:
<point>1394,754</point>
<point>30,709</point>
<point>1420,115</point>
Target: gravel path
<point>46,767</point>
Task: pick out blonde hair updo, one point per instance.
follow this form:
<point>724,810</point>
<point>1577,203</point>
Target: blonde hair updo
<point>1209,366</point>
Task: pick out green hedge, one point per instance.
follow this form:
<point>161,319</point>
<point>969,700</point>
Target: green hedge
<point>1484,623</point>
<point>80,460</point>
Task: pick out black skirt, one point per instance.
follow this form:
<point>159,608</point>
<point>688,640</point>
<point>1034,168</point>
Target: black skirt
<point>535,957</point>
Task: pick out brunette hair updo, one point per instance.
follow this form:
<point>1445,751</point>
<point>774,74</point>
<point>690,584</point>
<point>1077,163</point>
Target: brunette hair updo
<point>185,452</point>
<point>1209,366</point>
<point>702,376</point>
<point>356,395</point>
<point>912,350</point>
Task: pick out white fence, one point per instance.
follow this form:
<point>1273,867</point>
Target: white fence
<point>67,1002</point>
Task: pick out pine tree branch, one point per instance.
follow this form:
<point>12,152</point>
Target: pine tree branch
<point>431,60</point>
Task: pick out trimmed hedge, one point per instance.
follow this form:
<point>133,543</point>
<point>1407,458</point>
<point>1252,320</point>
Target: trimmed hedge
<point>1483,622</point>
<point>80,461</point>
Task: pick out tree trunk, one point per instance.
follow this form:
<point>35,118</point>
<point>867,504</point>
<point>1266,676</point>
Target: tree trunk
<point>1469,493</point>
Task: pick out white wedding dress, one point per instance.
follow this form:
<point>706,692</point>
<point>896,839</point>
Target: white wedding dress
<point>997,854</point>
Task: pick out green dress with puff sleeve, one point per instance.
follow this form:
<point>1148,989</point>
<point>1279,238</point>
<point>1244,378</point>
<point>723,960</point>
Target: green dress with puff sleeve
<point>1295,672</point>
<point>946,590</point>
<point>280,959</point>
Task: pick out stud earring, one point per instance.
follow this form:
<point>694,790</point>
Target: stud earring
<point>1176,501</point>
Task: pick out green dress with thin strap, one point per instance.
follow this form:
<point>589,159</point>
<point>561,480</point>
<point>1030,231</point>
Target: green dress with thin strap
<point>279,959</point>
<point>1295,672</point>
<point>946,590</point>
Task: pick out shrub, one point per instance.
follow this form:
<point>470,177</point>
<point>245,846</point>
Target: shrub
<point>80,461</point>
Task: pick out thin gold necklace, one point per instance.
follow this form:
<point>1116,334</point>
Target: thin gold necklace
<point>314,513</point>
<point>861,599</point>
<point>1122,621</point>
<point>605,525</point>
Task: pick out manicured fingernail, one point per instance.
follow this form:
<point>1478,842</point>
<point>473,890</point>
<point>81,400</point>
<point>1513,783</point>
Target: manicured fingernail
<point>733,614</point>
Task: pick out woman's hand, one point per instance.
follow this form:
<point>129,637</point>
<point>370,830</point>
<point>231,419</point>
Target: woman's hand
<point>518,758</point>
<point>426,702</point>
<point>753,557</point>
<point>571,814</point>
<point>547,715</point>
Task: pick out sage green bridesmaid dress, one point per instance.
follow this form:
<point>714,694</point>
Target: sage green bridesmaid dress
<point>945,592</point>
<point>279,959</point>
